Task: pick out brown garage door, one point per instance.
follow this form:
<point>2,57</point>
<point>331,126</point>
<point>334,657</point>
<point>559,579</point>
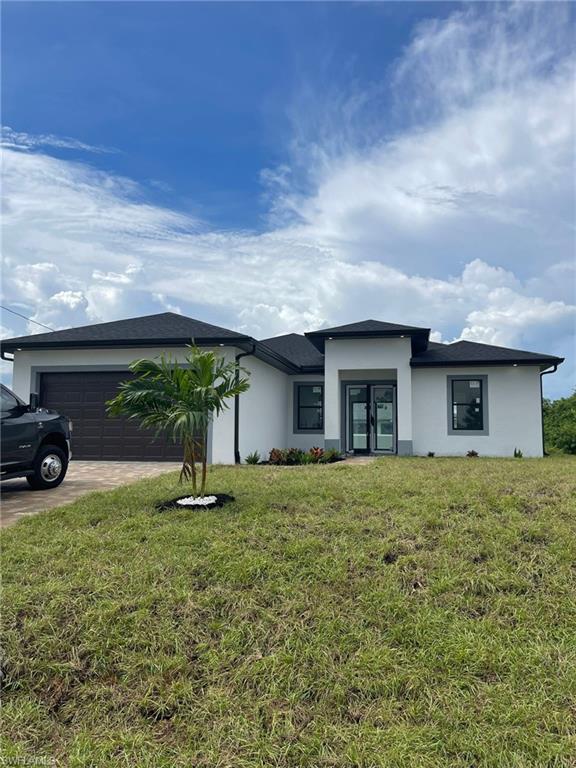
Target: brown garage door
<point>82,397</point>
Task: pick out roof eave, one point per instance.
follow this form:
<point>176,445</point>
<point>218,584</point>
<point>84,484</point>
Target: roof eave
<point>246,343</point>
<point>361,334</point>
<point>14,345</point>
<point>319,337</point>
<point>547,361</point>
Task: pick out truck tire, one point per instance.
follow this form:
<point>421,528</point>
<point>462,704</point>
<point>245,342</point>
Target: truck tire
<point>50,466</point>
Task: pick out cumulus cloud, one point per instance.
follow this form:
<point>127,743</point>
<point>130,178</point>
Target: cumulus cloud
<point>70,299</point>
<point>461,219</point>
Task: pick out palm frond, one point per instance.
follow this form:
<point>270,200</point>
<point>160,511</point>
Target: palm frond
<point>179,400</point>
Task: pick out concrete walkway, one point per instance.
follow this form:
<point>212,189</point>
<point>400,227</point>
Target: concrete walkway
<point>18,500</point>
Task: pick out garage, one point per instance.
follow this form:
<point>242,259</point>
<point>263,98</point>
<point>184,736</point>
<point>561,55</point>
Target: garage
<point>82,397</point>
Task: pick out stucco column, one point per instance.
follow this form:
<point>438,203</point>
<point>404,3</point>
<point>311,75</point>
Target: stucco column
<point>22,383</point>
<point>404,410</point>
<point>221,442</point>
<point>332,431</point>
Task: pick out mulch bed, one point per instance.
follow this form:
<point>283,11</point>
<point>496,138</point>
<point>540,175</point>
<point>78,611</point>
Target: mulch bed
<point>221,499</point>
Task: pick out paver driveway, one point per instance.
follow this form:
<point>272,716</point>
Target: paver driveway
<point>18,500</point>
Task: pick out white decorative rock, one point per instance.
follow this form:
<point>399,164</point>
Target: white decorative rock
<point>197,501</point>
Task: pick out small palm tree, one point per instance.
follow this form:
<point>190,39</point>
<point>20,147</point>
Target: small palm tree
<point>181,400</point>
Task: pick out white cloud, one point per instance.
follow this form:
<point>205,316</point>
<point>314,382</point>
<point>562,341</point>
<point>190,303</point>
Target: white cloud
<point>452,63</point>
<point>25,141</point>
<point>70,299</point>
<point>507,318</point>
<point>167,305</point>
<point>462,221</point>
<point>111,277</point>
<point>5,366</point>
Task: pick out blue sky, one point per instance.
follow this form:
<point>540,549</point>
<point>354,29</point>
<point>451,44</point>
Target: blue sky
<point>194,96</point>
<point>279,166</point>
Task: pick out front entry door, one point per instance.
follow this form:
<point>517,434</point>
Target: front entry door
<point>371,418</point>
<point>383,418</point>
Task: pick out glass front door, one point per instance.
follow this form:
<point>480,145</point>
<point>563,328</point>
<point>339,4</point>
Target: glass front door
<point>383,409</point>
<point>358,423</point>
<point>371,418</point>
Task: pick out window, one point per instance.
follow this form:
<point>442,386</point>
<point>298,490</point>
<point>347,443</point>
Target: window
<point>309,408</point>
<point>467,405</point>
<point>9,402</point>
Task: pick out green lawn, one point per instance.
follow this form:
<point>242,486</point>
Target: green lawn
<point>408,613</point>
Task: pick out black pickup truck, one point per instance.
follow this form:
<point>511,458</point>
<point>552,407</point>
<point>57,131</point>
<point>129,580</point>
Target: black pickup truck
<point>35,442</point>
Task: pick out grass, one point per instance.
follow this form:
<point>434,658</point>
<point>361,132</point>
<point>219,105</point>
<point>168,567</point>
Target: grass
<point>409,613</point>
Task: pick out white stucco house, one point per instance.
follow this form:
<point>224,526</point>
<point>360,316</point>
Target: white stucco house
<point>366,387</point>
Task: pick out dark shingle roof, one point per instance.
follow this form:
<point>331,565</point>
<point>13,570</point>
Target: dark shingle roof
<point>474,353</point>
<point>292,352</point>
<point>166,328</point>
<point>371,329</point>
<point>297,349</point>
<point>368,327</point>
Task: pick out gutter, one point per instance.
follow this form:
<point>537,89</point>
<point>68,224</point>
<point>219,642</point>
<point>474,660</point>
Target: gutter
<point>415,363</point>
<point>237,406</point>
<point>544,373</point>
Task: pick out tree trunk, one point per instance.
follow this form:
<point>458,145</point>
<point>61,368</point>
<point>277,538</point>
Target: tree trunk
<point>185,471</point>
<point>204,467</point>
<point>188,471</point>
<point>193,466</point>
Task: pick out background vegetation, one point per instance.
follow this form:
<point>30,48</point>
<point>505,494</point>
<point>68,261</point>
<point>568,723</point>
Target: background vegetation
<point>560,425</point>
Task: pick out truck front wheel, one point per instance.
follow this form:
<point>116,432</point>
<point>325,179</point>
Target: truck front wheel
<point>50,467</point>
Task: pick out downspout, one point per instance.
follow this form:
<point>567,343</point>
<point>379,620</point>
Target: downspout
<point>543,373</point>
<point>237,407</point>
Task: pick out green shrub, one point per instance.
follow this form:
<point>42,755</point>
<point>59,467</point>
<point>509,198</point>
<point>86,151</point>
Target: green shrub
<point>253,458</point>
<point>560,424</point>
<point>331,455</point>
<point>277,456</point>
<point>294,456</point>
<point>316,453</point>
<point>308,458</point>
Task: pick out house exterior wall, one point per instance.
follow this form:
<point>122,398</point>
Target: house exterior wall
<point>29,363</point>
<point>263,407</point>
<point>267,409</point>
<point>345,359</point>
<point>514,412</point>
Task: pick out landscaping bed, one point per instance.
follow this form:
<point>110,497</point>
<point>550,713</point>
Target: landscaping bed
<point>210,501</point>
<point>293,457</point>
<point>406,613</point>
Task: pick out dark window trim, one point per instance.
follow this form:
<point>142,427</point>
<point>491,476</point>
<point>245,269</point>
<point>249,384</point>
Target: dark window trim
<point>483,379</point>
<point>344,408</point>
<point>296,429</point>
<point>470,404</point>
